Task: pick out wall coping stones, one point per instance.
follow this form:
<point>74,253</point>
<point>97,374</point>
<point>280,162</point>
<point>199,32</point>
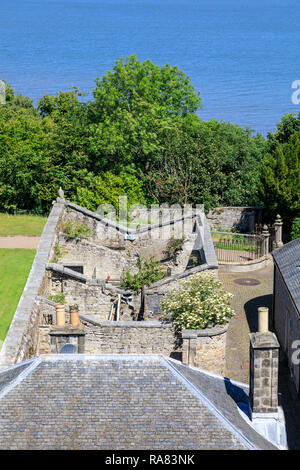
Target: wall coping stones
<point>126,324</point>
<point>119,227</point>
<point>59,268</point>
<point>175,277</point>
<point>215,331</point>
<point>11,349</point>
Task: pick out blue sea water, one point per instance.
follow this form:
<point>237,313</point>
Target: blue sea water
<point>243,55</point>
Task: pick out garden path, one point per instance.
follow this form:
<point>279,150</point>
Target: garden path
<point>19,242</point>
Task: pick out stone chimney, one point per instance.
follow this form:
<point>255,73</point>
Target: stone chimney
<point>63,333</point>
<point>264,355</point>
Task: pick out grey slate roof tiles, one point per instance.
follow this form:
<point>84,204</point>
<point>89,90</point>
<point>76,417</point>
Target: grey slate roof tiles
<point>287,259</point>
<point>108,402</point>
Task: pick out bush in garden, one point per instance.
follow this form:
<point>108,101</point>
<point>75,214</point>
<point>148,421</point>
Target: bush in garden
<point>199,302</point>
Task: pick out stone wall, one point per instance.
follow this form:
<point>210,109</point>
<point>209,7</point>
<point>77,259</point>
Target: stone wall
<point>242,218</point>
<point>132,337</point>
<point>205,348</point>
<point>124,337</point>
<point>109,253</point>
<point>111,250</point>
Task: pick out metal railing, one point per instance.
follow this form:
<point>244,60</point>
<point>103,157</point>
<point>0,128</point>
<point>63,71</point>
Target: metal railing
<point>238,247</point>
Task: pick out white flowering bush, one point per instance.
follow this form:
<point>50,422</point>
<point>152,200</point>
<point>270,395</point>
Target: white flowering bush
<point>198,302</point>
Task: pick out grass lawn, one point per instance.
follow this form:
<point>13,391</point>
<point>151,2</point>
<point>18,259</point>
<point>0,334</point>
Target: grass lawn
<point>15,266</point>
<point>27,225</point>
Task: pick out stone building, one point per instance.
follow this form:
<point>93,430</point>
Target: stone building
<point>286,303</point>
<point>86,271</point>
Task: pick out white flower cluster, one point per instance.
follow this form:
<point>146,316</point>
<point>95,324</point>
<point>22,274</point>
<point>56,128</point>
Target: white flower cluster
<point>198,302</point>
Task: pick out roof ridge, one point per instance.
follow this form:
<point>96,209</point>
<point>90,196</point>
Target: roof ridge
<point>21,376</point>
<point>209,373</point>
<point>196,392</point>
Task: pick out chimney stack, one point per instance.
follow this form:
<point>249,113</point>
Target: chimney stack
<point>264,354</point>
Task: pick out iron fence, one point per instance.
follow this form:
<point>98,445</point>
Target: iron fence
<point>238,247</point>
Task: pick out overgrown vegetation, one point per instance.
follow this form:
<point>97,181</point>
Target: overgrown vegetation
<point>198,303</point>
<point>141,137</point>
<point>149,271</point>
<point>58,253</point>
<point>173,248</point>
<point>74,230</point>
<point>295,233</point>
<point>57,298</point>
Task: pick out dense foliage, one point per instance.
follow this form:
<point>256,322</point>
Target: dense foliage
<point>149,271</point>
<point>198,303</point>
<point>295,232</point>
<point>280,171</point>
<point>140,137</point>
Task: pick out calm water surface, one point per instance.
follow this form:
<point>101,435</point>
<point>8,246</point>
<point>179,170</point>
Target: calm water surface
<point>242,55</point>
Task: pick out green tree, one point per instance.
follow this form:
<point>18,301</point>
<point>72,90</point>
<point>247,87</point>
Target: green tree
<point>132,104</point>
<point>149,271</point>
<point>107,188</point>
<point>280,179</point>
<point>295,232</point>
<point>211,163</point>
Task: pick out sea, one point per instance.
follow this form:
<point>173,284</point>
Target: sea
<point>243,55</point>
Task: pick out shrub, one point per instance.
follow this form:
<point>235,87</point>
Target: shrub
<point>76,230</point>
<point>295,232</point>
<point>149,271</point>
<point>57,298</point>
<point>174,246</point>
<point>198,302</point>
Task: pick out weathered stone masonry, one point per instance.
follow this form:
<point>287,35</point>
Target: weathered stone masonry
<point>205,348</point>
<point>30,330</point>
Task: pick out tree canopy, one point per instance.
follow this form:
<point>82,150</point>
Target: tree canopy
<point>140,136</point>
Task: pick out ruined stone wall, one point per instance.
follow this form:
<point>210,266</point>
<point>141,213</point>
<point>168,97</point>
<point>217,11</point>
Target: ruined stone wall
<point>242,218</point>
<point>108,253</point>
<point>87,294</point>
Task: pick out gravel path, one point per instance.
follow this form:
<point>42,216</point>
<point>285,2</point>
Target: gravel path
<point>19,242</point>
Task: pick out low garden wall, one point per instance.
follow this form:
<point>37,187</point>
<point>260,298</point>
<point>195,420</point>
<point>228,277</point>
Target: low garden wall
<point>205,348</point>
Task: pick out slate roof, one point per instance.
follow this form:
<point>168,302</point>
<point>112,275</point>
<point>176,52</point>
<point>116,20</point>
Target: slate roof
<point>118,402</point>
<point>287,258</point>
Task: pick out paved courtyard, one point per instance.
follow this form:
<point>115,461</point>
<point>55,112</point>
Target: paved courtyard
<point>247,298</point>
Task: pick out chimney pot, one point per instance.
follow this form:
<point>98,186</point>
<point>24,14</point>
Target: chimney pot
<point>60,315</point>
<point>74,315</point>
<point>263,319</point>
